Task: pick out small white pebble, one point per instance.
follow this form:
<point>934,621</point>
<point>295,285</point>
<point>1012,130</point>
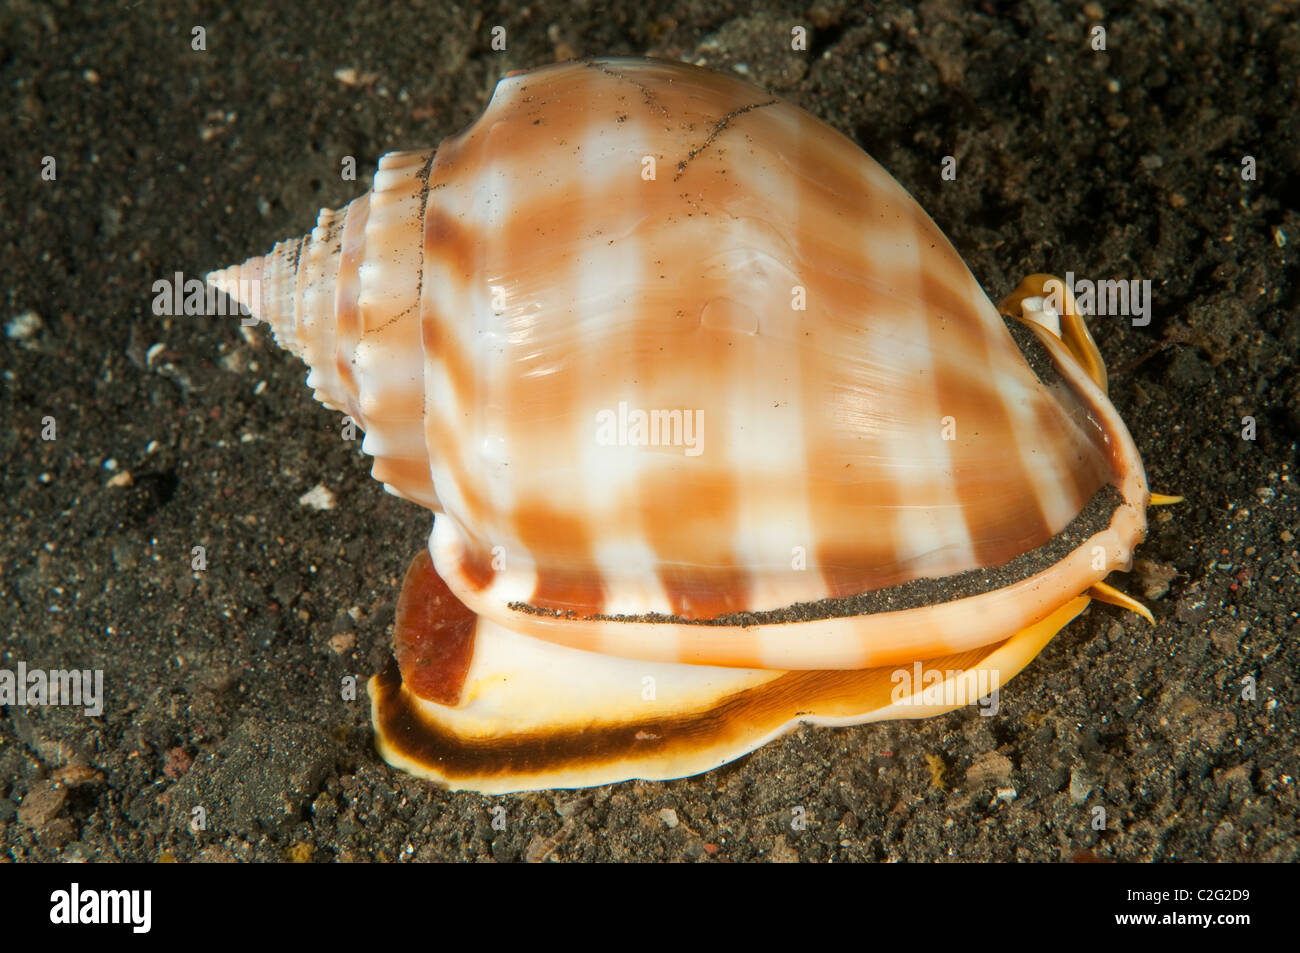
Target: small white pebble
<point>669,817</point>
<point>349,76</point>
<point>318,497</point>
<point>24,327</point>
<point>110,463</point>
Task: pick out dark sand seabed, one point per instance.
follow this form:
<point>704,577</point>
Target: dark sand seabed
<point>221,686</point>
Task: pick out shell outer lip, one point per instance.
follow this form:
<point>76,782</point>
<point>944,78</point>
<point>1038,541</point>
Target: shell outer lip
<point>835,643</point>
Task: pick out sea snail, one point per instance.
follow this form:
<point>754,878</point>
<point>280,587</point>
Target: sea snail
<point>720,433</point>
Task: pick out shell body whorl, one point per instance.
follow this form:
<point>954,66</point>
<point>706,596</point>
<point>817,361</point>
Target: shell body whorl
<point>661,349</point>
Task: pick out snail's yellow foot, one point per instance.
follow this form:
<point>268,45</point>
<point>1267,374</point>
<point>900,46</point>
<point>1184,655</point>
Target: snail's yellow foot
<point>1104,593</point>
